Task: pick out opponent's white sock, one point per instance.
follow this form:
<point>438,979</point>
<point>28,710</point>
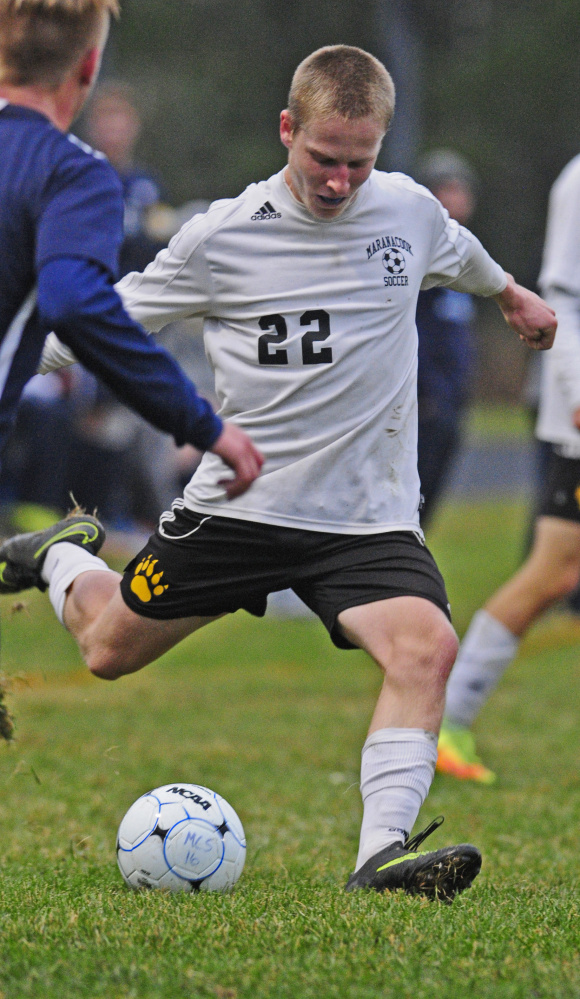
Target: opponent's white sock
<point>63,563</point>
<point>485,653</point>
<point>396,772</point>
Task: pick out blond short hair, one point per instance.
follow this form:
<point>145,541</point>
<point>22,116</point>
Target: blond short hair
<point>341,81</point>
<point>41,40</point>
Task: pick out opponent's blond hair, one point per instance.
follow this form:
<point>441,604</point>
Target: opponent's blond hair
<point>41,40</point>
<point>341,81</point>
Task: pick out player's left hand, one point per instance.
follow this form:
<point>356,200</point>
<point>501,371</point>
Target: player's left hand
<point>528,315</point>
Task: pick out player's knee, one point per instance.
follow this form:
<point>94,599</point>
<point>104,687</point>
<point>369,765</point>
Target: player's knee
<point>108,664</point>
<point>439,652</point>
<point>556,584</point>
<point>424,655</point>
<point>103,667</point>
<point>567,580</point>
<point>448,645</point>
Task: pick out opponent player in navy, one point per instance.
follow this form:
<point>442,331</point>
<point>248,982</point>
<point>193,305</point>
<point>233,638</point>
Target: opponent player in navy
<point>61,225</point>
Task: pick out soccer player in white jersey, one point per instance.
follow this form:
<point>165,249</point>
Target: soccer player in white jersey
<point>552,570</point>
<point>308,285</point>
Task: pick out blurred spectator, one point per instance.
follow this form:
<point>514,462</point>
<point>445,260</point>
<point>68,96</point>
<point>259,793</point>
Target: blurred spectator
<point>445,328</point>
<point>113,126</point>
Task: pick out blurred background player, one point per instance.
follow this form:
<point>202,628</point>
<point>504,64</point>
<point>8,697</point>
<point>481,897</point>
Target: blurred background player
<point>445,328</point>
<point>552,570</point>
<point>113,125</point>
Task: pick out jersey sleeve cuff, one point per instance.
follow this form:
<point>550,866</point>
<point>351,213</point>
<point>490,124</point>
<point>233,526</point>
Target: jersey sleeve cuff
<point>205,430</point>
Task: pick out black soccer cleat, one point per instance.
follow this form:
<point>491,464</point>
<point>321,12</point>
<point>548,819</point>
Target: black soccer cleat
<point>438,874</point>
<point>22,557</point>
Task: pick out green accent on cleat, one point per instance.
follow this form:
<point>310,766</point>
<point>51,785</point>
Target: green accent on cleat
<point>23,555</point>
<point>399,860</point>
<point>88,532</point>
<point>437,874</point>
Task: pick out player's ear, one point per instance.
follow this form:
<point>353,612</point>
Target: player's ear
<point>89,66</point>
<point>286,129</point>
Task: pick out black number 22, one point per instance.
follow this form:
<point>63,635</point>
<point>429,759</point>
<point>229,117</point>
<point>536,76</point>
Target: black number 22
<point>279,355</point>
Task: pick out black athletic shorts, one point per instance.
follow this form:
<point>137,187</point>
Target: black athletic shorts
<point>561,489</point>
<point>199,565</point>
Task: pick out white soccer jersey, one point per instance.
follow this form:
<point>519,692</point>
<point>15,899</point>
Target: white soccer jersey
<point>560,284</point>
<point>309,326</point>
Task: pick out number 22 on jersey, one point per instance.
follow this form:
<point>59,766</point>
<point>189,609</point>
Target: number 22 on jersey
<point>270,351</point>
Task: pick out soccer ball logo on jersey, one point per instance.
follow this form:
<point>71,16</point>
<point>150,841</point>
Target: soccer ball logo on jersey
<point>394,259</point>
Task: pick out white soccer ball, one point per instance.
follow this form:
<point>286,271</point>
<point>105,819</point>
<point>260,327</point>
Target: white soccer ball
<point>181,837</point>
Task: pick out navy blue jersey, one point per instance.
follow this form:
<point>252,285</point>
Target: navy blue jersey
<point>61,225</point>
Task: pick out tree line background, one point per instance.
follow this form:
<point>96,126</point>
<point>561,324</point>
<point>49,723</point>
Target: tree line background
<point>497,80</point>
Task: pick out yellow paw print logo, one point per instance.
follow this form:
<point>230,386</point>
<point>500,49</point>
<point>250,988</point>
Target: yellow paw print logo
<point>146,583</point>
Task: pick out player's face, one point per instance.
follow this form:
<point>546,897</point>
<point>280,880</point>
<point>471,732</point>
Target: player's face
<point>329,160</point>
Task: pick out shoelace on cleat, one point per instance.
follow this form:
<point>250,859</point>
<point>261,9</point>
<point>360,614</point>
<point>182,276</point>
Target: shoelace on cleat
<point>415,841</point>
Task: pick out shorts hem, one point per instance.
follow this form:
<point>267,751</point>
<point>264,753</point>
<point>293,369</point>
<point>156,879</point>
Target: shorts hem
<point>159,612</point>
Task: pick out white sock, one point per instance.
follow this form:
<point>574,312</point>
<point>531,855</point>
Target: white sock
<point>485,653</point>
<point>396,772</point>
<point>63,563</point>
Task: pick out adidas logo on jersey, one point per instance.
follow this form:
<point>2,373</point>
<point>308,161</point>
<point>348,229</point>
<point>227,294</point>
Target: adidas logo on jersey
<point>267,211</point>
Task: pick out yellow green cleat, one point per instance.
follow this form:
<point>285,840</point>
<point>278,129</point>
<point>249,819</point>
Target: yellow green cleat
<point>456,755</point>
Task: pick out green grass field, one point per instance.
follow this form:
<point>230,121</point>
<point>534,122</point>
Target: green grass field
<point>273,717</point>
